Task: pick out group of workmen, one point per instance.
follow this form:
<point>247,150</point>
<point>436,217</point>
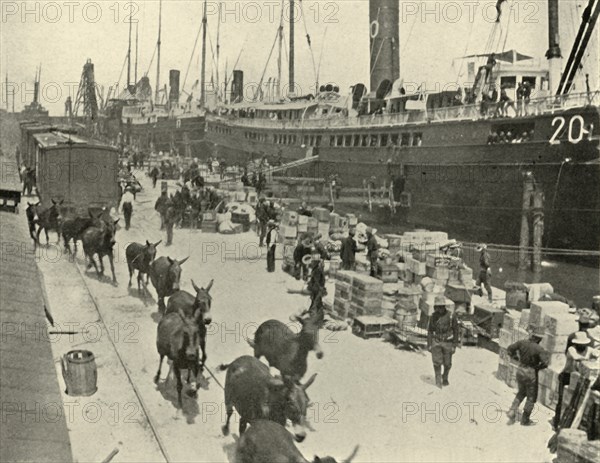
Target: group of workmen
<point>443,338</point>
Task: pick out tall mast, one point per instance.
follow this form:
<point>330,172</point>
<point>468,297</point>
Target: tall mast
<point>218,48</point>
<point>136,53</point>
<point>6,93</point>
<point>553,54</point>
<point>203,71</point>
<point>279,57</point>
<point>158,52</point>
<point>291,81</point>
<point>129,52</point>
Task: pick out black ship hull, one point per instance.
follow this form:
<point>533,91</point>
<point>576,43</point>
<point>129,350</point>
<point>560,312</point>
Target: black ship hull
<point>457,181</point>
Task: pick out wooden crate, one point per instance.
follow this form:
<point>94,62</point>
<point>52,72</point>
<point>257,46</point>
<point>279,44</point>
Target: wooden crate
<point>367,283</point>
<point>489,319</point>
<point>372,327</point>
<point>388,273</point>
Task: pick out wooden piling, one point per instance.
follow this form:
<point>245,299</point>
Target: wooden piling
<point>538,229</point>
<point>526,207</point>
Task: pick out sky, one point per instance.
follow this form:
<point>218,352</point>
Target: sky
<point>61,36</point>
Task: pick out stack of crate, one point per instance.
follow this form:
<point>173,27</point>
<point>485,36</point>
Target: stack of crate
<point>558,324</point>
<point>395,248</point>
<point>343,293</point>
<point>367,295</point>
<point>387,272</point>
<point>437,267</point>
<point>338,224</point>
<point>407,306</point>
<point>511,332</point>
<point>322,216</point>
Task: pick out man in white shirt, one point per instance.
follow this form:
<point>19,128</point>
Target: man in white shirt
<point>127,206</point>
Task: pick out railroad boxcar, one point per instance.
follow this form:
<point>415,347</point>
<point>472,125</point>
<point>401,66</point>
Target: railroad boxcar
<point>27,149</point>
<point>80,171</point>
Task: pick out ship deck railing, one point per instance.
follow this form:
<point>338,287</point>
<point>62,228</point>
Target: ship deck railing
<point>535,107</point>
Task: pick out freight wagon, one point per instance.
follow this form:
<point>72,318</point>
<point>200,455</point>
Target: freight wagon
<point>29,129</point>
<point>81,172</point>
<point>27,147</point>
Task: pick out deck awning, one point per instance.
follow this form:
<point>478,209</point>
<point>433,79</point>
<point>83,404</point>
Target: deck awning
<point>510,56</point>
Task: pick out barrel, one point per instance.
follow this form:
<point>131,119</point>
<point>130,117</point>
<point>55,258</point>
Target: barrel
<point>80,373</point>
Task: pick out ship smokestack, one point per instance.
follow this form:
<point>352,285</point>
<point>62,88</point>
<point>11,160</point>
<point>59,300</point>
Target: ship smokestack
<point>174,86</point>
<point>384,17</point>
<point>237,87</point>
<point>553,54</point>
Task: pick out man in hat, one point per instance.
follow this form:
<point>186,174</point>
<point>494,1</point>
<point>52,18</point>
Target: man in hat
<point>485,272</point>
<point>532,358</point>
<point>170,217</point>
<point>262,217</point>
<point>127,206</point>
<point>348,251</point>
<point>302,256</point>
<point>442,340</point>
<point>372,250</point>
<point>316,283</point>
<point>154,176</point>
<point>578,350</point>
<point>271,244</point>
<point>585,323</point>
<point>161,207</point>
<point>320,247</point>
<point>303,210</point>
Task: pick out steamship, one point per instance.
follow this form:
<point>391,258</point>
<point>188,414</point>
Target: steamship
<point>454,165</point>
<point>161,124</point>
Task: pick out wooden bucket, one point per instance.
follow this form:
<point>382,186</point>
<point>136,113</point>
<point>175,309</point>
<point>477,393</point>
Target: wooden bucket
<point>80,373</point>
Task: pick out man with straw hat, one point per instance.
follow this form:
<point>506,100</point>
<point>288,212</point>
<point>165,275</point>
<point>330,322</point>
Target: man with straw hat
<point>532,358</point>
<point>578,350</point>
<point>442,340</point>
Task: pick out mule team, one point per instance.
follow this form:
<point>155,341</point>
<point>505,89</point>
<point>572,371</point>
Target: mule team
<point>263,401</point>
